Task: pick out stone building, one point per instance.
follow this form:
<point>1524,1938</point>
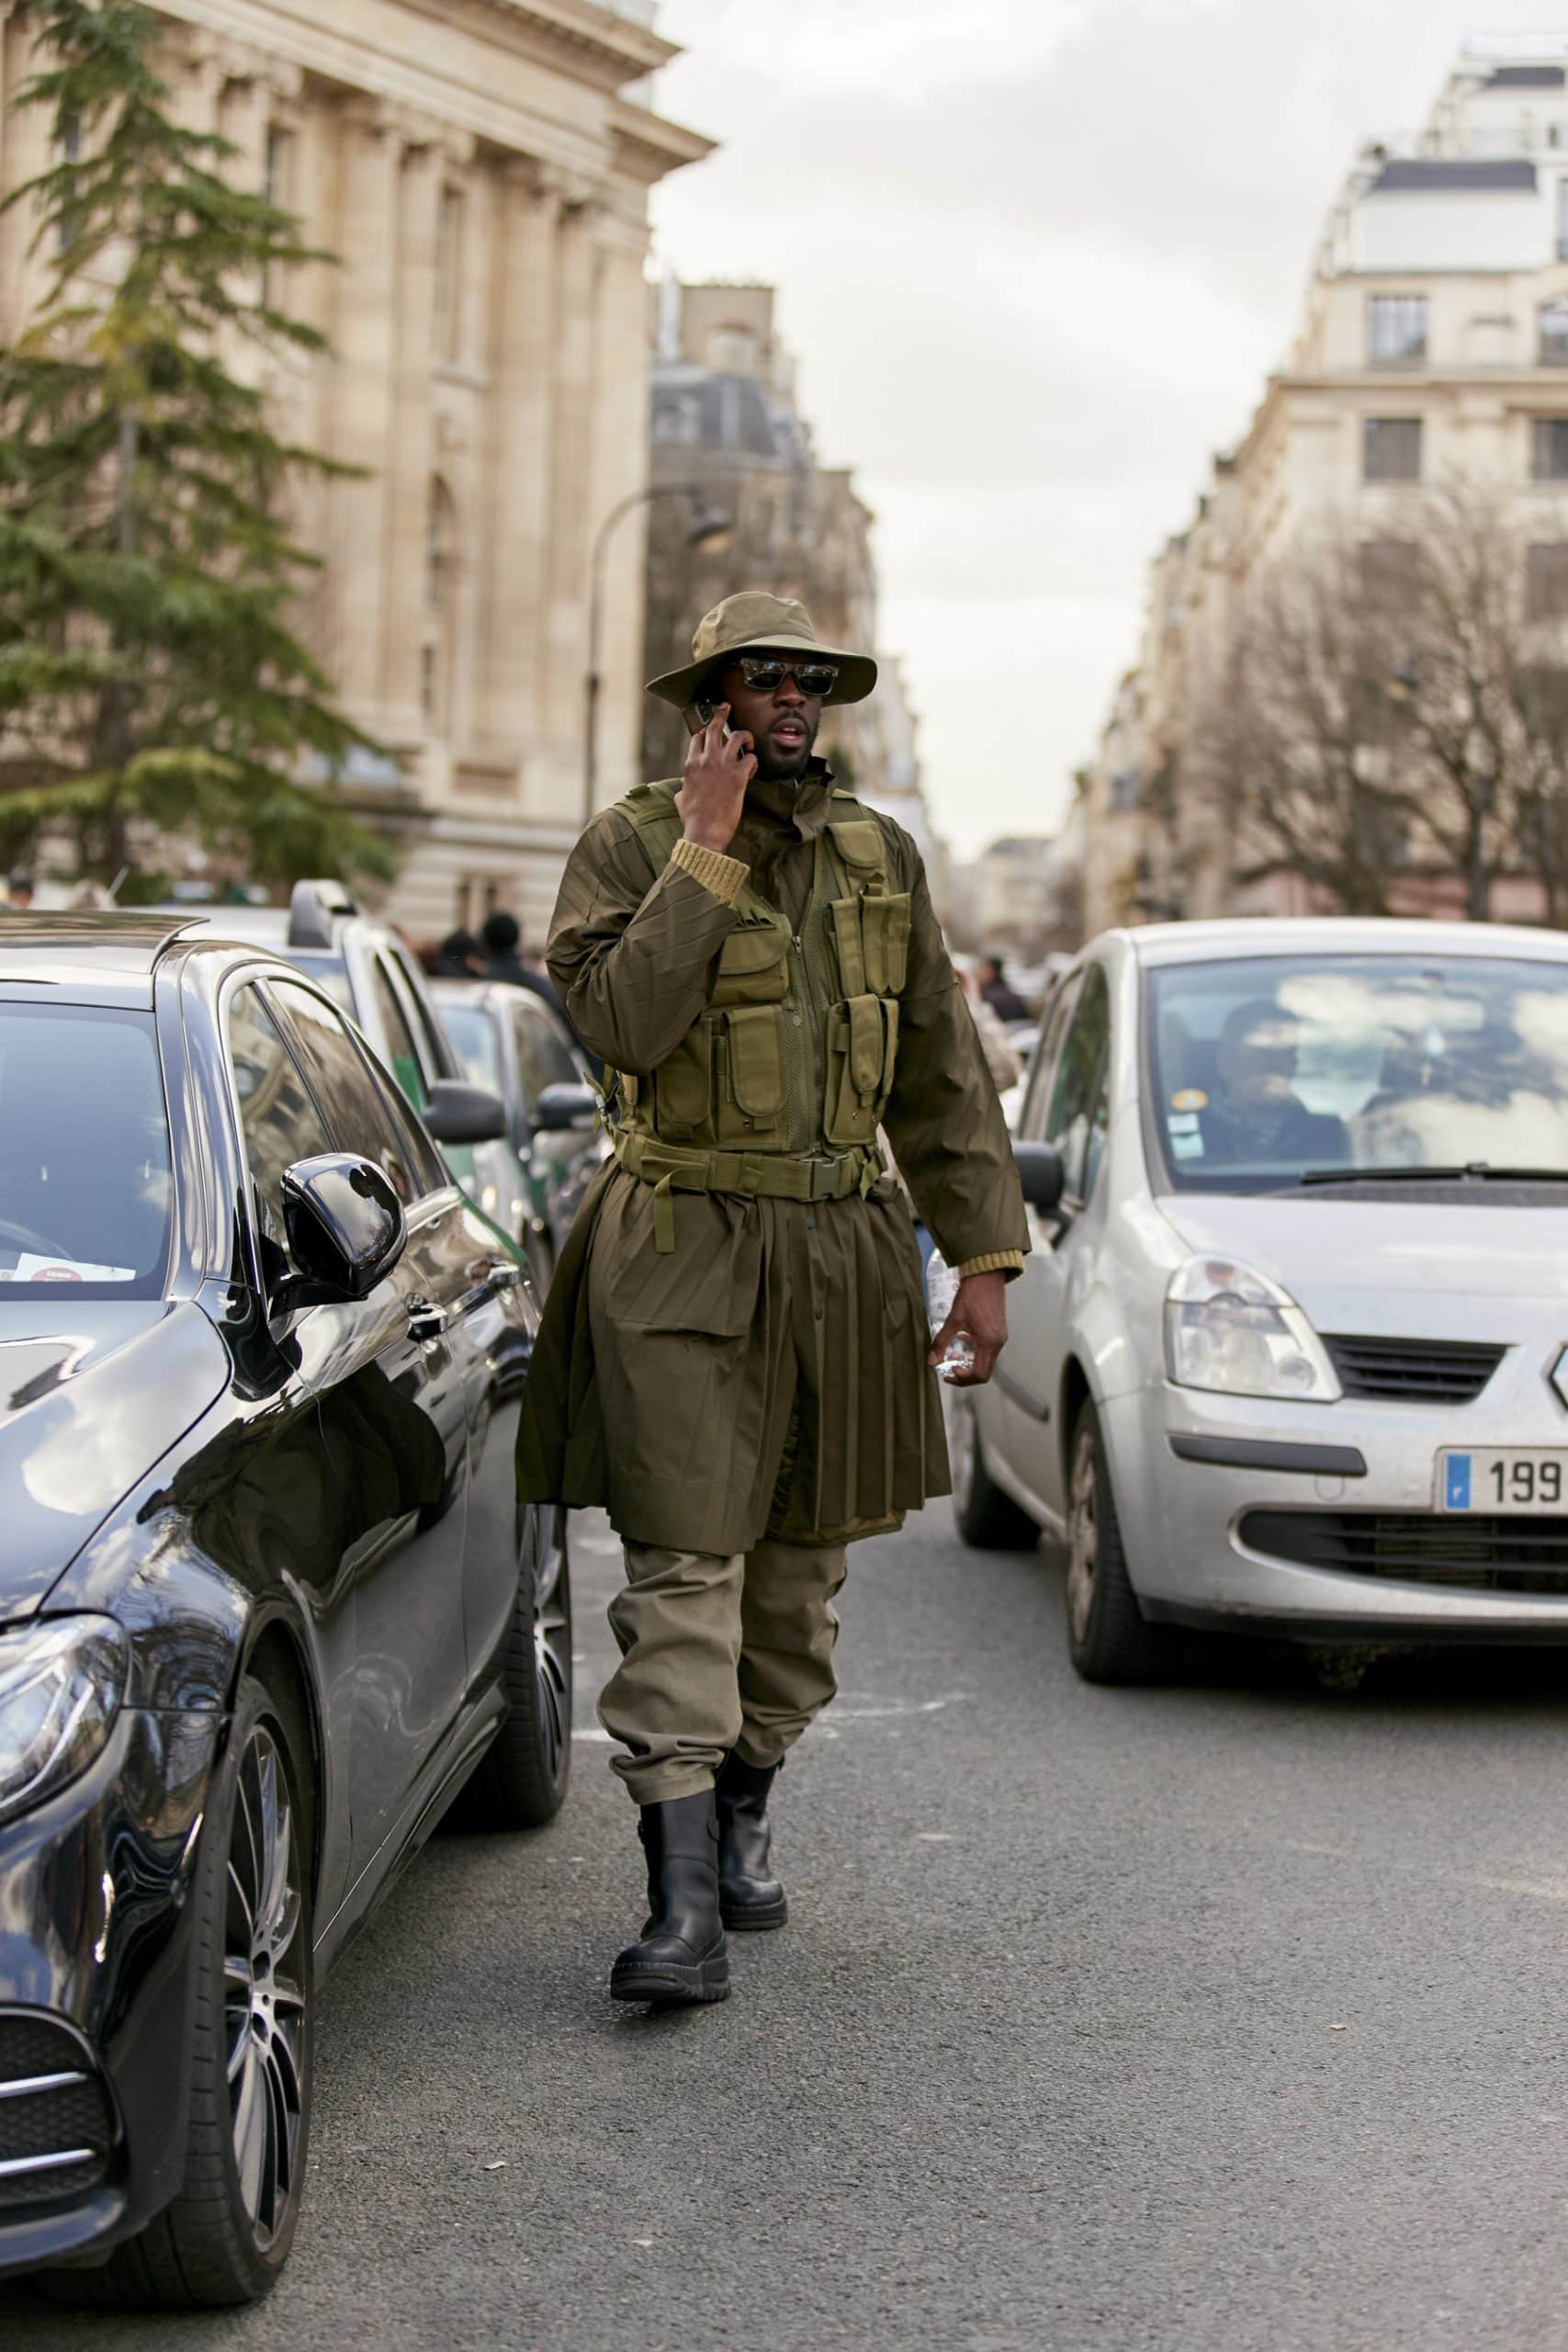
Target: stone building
<point>1433,349</point>
<point>727,429</point>
<point>480,168</point>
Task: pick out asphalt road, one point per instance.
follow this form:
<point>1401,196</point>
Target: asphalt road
<point>1228,2014</point>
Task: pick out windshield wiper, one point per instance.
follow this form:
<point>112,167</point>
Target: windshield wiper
<point>1476,1172</point>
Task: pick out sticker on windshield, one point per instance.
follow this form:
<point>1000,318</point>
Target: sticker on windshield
<point>30,1268</point>
<point>1190,1098</point>
<point>1187,1147</point>
<point>1181,1123</point>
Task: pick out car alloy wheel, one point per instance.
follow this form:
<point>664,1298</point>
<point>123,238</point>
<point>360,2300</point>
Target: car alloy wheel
<point>1083,1532</point>
<point>263,1998</point>
<point>552,1643</point>
<point>521,1779</point>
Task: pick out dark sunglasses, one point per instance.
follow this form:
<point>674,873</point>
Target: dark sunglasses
<point>765,675</point>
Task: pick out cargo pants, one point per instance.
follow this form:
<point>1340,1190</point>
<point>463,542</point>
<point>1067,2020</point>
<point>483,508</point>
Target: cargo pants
<point>717,1653</point>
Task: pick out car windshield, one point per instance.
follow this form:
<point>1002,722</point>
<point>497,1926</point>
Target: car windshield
<point>1271,1070</point>
<point>478,1041</point>
<point>85,1182</point>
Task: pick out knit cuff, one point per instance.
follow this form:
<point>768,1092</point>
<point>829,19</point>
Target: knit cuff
<point>995,1261</point>
<point>723,875</point>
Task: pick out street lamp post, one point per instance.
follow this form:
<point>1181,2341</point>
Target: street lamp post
<point>710,529</point>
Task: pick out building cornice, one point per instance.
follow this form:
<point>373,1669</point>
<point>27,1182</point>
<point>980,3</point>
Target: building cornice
<point>647,146</point>
<point>593,42</point>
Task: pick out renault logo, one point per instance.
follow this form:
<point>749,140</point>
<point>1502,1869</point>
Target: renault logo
<point>1559,1374</point>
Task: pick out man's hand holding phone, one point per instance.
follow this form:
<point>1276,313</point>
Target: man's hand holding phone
<point>719,767</point>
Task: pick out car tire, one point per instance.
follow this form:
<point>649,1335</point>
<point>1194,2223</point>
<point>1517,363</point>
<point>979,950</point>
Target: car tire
<point>988,1520</point>
<point>522,1779</point>
<point>226,2238</point>
<point>1107,1638</point>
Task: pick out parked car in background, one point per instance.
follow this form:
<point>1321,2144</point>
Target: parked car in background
<point>510,1041</point>
<point>267,1602</point>
<point>370,972</point>
<point>1291,1354</point>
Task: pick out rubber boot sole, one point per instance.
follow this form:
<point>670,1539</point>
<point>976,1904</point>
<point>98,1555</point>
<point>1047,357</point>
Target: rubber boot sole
<point>751,1918</point>
<point>668,1984</point>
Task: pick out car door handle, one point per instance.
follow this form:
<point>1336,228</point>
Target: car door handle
<point>426,1320</point>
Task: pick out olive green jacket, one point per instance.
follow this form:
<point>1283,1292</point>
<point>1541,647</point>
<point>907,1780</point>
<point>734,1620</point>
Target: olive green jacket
<point>674,1389</point>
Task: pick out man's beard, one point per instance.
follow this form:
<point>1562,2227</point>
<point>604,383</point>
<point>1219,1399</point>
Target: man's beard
<point>790,770</point>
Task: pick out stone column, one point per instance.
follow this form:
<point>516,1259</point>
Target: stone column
<point>361,406</point>
<point>411,461</point>
<point>572,522</point>
<point>620,469</point>
<point>24,153</point>
<point>516,546</point>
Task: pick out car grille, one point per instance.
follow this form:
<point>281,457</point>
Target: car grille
<point>1443,1371</point>
<point>1480,1552</point>
<point>55,2127</point>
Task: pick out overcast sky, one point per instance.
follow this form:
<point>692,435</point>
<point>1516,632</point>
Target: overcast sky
<point>1035,258</point>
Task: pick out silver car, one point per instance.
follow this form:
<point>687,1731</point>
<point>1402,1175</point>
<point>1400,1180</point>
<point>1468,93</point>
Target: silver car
<point>1292,1352</point>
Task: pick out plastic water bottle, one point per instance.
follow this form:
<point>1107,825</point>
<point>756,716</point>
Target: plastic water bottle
<point>941,1289</point>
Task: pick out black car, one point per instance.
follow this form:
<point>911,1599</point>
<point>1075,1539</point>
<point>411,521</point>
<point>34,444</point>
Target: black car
<point>267,1598</point>
<point>509,1041</point>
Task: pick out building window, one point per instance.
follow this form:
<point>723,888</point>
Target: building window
<point>70,153</point>
<point>1551,322</point>
<point>1396,330</point>
<point>1548,448</point>
<point>1391,448</point>
<point>1124,784</point>
<point>449,276</point>
<point>1562,220</point>
<point>440,560</point>
<point>1546,582</point>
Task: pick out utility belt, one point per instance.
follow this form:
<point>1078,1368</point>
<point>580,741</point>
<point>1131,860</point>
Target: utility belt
<point>769,1175</point>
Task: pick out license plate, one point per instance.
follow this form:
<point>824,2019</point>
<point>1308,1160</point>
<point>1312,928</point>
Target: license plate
<point>1504,1479</point>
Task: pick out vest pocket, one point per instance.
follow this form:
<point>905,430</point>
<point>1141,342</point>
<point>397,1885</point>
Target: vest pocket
<point>861,1040</point>
<point>753,965</point>
<point>751,1061</point>
<point>885,932</point>
<point>683,1085</point>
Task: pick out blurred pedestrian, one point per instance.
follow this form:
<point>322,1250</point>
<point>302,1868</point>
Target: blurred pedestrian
<point>19,892</point>
<point>1004,1001</point>
<point>461,957</point>
<point>503,944</point>
<point>1000,1059</point>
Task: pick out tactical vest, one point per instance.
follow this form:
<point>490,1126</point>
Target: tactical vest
<point>796,1051</point>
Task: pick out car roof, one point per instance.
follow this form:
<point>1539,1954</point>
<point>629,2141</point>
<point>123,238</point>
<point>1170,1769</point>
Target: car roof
<point>87,954</point>
<point>1249,935</point>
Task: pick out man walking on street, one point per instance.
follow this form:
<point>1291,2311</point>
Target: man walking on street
<point>734,1357</point>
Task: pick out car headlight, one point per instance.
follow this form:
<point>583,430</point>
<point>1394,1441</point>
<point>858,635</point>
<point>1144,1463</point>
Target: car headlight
<point>61,1684</point>
<point>1229,1327</point>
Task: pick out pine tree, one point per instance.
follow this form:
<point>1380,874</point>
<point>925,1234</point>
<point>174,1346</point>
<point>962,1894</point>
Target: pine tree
<point>147,667</point>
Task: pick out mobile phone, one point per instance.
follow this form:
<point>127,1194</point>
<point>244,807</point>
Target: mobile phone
<point>703,714</point>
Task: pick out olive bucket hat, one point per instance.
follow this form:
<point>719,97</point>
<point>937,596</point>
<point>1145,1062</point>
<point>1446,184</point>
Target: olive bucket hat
<point>754,622</point>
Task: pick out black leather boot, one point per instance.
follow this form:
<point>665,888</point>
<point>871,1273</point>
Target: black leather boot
<point>680,1955</point>
<point>748,1896</point>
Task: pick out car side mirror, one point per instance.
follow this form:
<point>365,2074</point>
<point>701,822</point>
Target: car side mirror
<point>459,1112</point>
<point>564,1108</point>
<point>1040,1173</point>
<point>345,1225</point>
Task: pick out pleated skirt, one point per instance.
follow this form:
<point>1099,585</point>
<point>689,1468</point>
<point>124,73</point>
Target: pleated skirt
<point>767,1377</point>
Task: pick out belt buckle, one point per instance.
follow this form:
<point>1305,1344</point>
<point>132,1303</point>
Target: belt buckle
<point>827,1163</point>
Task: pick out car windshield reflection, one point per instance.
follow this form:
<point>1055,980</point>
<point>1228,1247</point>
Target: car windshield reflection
<point>1268,1070</point>
<point>84,1180</point>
